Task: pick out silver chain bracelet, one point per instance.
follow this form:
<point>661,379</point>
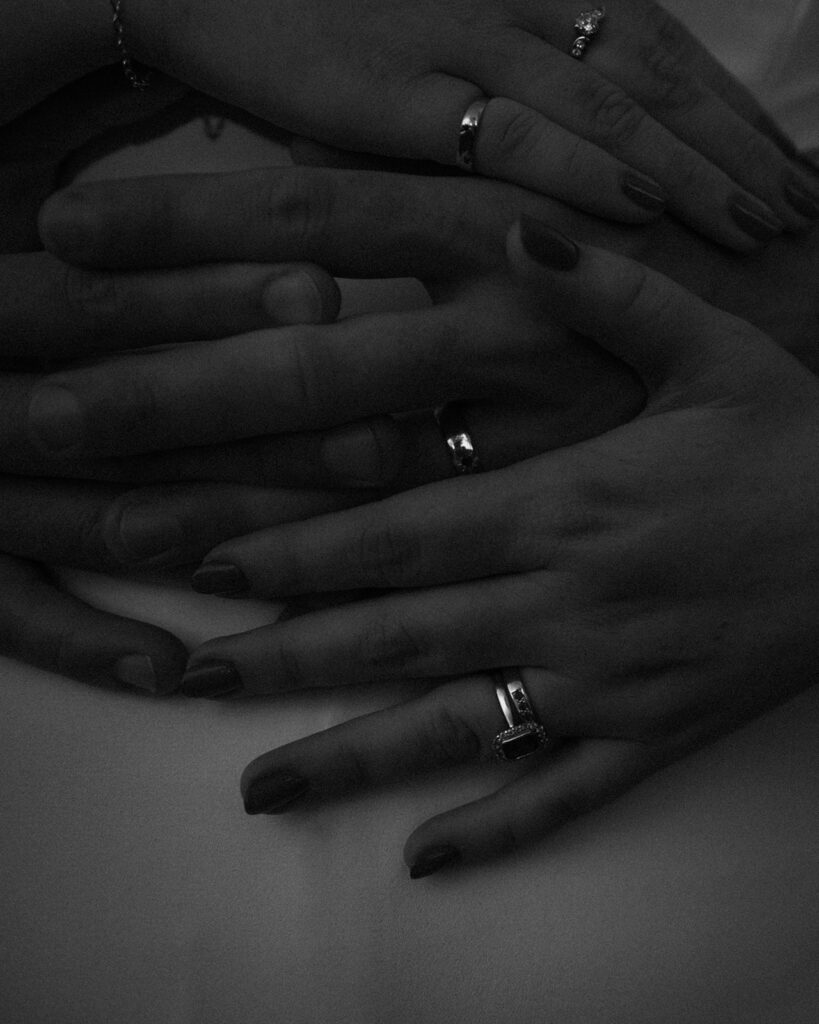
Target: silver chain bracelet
<point>128,69</point>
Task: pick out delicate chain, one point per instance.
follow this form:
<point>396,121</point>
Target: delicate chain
<point>128,69</point>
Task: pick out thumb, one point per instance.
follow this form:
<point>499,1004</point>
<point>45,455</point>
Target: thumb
<point>660,329</point>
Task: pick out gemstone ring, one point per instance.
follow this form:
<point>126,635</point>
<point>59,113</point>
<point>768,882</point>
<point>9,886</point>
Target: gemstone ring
<point>587,25</point>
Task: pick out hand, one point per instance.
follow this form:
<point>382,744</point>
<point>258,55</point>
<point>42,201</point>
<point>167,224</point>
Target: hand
<point>529,386</point>
<point>658,583</point>
<point>51,314</point>
<point>647,116</point>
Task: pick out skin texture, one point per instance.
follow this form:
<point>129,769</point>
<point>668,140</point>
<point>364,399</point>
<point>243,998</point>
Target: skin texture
<point>371,76</point>
<point>80,513</point>
<point>658,583</point>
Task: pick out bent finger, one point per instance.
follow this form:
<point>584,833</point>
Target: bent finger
<point>44,626</point>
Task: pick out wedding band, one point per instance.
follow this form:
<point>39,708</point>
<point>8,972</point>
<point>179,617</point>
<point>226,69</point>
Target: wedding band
<point>468,134</point>
<point>458,441</point>
<point>524,735</point>
<point>588,25</point>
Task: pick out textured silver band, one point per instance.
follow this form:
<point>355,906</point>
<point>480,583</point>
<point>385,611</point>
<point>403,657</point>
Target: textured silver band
<point>134,80</point>
<point>524,735</point>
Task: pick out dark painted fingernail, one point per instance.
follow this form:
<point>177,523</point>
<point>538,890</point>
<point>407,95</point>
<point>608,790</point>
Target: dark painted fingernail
<point>55,419</point>
<point>137,670</point>
<point>803,198</point>
<point>546,245</point>
<point>755,218</point>
<point>644,191</point>
<point>436,857</point>
<point>145,533</point>
<point>220,578</point>
<point>212,679</point>
<point>273,794</point>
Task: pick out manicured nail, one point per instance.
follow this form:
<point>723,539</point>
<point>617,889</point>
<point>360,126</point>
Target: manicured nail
<point>644,191</point>
<point>211,679</point>
<point>293,298</point>
<point>146,534</point>
<point>219,578</point>
<point>55,419</point>
<point>755,218</point>
<point>547,246</point>
<point>137,670</point>
<point>436,857</point>
<point>803,198</point>
<point>273,794</point>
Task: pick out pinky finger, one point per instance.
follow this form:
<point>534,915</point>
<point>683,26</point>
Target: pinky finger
<point>46,627</point>
<point>575,779</point>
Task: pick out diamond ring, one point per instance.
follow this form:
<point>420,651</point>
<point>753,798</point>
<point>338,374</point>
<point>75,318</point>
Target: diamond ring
<point>588,25</point>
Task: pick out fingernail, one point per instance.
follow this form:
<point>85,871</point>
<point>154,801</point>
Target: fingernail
<point>803,199</point>
<point>293,298</point>
<point>547,246</point>
<point>644,191</point>
<point>273,794</point>
<point>145,534</point>
<point>212,679</point>
<point>755,218</point>
<point>436,857</point>
<point>137,670</point>
<point>219,578</point>
<point>55,419</point>
<point>65,225</point>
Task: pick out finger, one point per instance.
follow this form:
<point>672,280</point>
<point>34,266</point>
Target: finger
<point>44,626</point>
<point>422,634</point>
<point>633,307</point>
<point>415,539</point>
<point>576,96</point>
<point>576,780</point>
<point>515,143</point>
<point>105,528</point>
<point>454,723</point>
<point>262,383</point>
<point>405,227</point>
<point>661,64</point>
<point>49,310</point>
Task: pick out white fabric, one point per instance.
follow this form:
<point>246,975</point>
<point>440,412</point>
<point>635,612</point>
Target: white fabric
<point>134,890</point>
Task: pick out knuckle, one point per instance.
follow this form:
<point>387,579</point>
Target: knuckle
<point>615,116</point>
<point>95,298</point>
<point>289,670</point>
<point>298,207</point>
<point>299,385</point>
<point>517,137</point>
<point>451,739</point>
<point>673,87</point>
<point>388,555</point>
<point>389,647</point>
<point>352,768</point>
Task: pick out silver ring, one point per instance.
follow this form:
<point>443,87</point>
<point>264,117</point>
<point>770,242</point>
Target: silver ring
<point>468,134</point>
<point>457,438</point>
<point>524,735</point>
<point>588,25</point>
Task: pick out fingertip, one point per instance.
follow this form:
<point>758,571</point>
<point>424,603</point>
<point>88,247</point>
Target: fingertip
<point>301,295</point>
<point>532,243</point>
